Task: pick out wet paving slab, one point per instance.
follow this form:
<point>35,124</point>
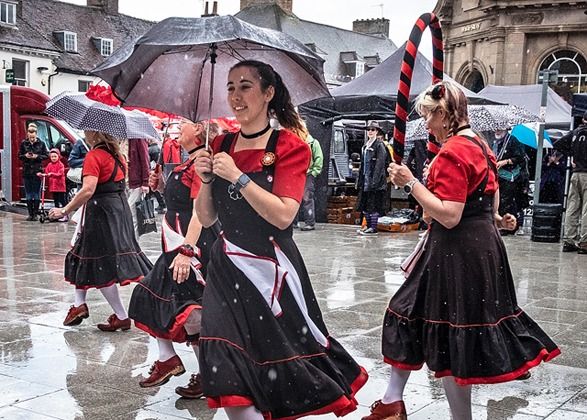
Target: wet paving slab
<point>48,371</point>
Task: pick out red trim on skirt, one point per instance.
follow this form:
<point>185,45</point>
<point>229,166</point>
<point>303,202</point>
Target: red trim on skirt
<point>177,332</point>
<point>341,407</point>
<point>121,282</point>
<point>543,356</point>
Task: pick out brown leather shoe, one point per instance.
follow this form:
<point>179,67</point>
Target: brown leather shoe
<point>193,390</point>
<point>393,411</point>
<point>160,372</point>
<point>76,315</point>
<point>114,324</point>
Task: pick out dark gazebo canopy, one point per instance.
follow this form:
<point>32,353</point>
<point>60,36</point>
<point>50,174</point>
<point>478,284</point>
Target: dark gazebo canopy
<point>373,95</point>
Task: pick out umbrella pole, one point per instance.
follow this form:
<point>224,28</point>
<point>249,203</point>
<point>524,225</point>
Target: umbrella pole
<point>213,56</point>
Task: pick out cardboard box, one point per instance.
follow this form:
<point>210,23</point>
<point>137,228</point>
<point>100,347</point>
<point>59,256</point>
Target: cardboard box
<point>398,228</point>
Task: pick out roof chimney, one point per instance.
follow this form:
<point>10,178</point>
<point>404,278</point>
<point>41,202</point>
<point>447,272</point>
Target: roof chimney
<point>214,9</point>
<point>108,6</point>
<point>372,26</point>
<point>286,5</point>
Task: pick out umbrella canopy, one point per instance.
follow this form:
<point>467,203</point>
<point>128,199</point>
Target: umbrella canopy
<point>85,114</point>
<point>482,118</point>
<point>528,135</point>
<point>173,67</point>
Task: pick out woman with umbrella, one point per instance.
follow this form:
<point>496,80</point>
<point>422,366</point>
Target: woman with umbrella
<point>457,310</point>
<point>167,302</point>
<point>104,250</point>
<point>264,348</point>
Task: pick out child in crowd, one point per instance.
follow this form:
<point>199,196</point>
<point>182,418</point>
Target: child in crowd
<point>55,178</point>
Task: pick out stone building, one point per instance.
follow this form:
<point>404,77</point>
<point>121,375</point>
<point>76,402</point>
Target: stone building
<point>347,54</point>
<point>508,42</point>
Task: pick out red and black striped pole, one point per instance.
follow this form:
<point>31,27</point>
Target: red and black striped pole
<point>405,81</point>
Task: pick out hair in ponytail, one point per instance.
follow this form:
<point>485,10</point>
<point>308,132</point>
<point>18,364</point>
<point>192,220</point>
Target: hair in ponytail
<point>280,106</point>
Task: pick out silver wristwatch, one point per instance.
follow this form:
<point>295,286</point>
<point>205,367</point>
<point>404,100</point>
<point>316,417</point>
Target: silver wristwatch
<point>241,182</point>
<point>410,185</point>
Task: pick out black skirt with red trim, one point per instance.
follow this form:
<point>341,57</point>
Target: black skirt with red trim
<point>249,356</point>
<point>159,305</point>
<point>457,311</point>
<point>106,251</point>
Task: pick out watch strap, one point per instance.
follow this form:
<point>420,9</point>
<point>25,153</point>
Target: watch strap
<point>241,182</point>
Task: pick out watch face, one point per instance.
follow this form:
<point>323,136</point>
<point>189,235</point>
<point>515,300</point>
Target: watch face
<point>407,189</point>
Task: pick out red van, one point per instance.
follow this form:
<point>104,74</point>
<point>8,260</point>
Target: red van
<point>20,106</point>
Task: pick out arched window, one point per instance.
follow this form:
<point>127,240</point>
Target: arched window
<point>572,71</point>
<point>474,81</point>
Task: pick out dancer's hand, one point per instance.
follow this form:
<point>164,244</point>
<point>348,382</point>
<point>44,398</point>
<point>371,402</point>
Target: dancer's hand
<point>204,166</point>
<point>57,213</point>
<point>181,267</point>
<point>507,221</point>
<point>225,168</point>
<point>399,175</point>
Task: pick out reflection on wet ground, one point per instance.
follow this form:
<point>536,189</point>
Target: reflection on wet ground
<point>48,371</point>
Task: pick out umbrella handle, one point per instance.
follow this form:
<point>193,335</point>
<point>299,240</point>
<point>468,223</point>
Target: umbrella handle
<point>431,21</point>
<point>213,56</point>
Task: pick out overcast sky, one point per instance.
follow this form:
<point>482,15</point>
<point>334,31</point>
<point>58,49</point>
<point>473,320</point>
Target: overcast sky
<point>339,13</point>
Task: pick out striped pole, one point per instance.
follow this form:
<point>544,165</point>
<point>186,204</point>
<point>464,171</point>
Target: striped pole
<point>405,81</point>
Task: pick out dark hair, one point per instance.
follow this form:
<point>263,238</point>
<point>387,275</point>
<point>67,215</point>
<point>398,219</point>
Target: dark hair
<point>280,106</point>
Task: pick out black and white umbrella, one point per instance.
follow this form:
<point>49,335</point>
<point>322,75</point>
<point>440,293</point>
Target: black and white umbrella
<point>181,65</point>
<point>481,118</point>
<point>86,114</point>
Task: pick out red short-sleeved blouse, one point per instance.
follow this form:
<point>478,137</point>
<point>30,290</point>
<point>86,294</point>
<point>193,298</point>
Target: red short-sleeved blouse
<point>291,163</point>
<point>459,168</point>
<point>100,163</point>
<point>190,179</point>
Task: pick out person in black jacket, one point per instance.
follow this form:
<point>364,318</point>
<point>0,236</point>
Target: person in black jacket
<point>78,154</point>
<point>372,181</point>
<point>32,153</point>
<point>575,145</point>
<point>511,163</point>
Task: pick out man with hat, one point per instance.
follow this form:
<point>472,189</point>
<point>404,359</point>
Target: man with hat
<point>575,145</point>
<point>372,181</point>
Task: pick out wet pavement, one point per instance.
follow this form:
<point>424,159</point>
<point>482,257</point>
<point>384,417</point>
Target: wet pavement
<point>48,371</point>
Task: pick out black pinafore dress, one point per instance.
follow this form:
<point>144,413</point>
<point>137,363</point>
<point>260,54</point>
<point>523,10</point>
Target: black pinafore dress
<point>457,310</point>
<point>263,341</point>
<point>159,305</point>
<point>105,251</point>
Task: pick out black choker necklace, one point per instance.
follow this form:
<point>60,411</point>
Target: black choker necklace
<point>257,134</point>
<point>195,149</point>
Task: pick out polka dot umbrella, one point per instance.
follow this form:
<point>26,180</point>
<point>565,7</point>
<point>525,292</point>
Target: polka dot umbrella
<point>482,118</point>
<point>85,114</point>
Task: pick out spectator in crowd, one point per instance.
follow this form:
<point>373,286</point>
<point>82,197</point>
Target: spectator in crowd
<point>574,144</point>
<point>75,161</point>
<point>307,212</point>
<point>552,182</point>
<point>137,152</point>
<point>32,153</point>
<point>55,179</point>
<point>154,153</point>
<point>372,181</point>
<point>510,164</point>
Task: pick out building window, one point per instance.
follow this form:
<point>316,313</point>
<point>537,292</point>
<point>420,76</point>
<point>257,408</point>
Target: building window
<point>572,72</point>
<point>106,47</point>
<point>8,13</point>
<point>21,71</point>
<point>70,41</point>
<point>83,85</point>
<point>360,68</point>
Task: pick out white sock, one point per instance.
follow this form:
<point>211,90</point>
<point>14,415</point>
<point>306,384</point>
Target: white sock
<point>111,295</point>
<point>395,387</point>
<point>80,297</point>
<point>459,399</point>
<point>196,349</point>
<point>243,413</point>
<point>166,350</point>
